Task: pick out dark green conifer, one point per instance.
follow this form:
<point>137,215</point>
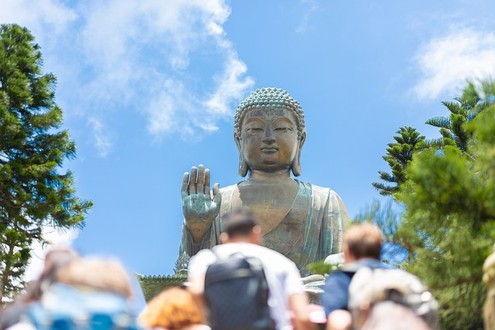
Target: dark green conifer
<point>399,154</point>
<point>33,191</point>
<point>450,208</point>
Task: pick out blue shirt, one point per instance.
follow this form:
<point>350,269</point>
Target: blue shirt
<point>336,292</point>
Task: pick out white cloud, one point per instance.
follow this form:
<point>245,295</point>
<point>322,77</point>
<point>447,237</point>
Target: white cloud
<point>163,108</point>
<point>154,57</point>
<point>174,32</point>
<point>102,141</point>
<point>55,238</point>
<point>35,14</point>
<point>230,86</point>
<point>446,63</point>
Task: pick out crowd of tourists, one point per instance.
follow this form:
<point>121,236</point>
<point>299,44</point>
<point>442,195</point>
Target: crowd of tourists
<point>238,284</point>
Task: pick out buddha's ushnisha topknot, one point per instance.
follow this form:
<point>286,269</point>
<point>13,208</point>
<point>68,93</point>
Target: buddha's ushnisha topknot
<point>266,98</point>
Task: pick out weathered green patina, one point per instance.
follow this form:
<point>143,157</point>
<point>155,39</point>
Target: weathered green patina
<point>301,220</point>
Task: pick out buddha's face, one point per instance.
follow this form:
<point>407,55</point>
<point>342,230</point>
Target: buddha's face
<point>269,139</point>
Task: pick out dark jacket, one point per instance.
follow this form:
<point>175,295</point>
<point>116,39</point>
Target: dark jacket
<point>336,293</point>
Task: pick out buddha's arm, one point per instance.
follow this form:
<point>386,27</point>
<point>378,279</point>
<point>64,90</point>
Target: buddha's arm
<point>188,246</point>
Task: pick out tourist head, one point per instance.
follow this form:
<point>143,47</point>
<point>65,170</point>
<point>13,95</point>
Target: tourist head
<point>269,131</point>
<point>388,315</point>
<point>362,241</point>
<point>174,308</point>
<point>240,225</point>
<point>55,258</point>
<point>98,274</point>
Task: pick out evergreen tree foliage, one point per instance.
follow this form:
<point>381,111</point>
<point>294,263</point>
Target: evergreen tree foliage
<point>399,154</point>
<point>388,218</point>
<point>463,109</point>
<point>449,201</point>
<point>33,193</point>
<point>385,217</point>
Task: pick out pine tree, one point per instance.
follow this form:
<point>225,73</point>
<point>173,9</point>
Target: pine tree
<point>447,187</point>
<point>398,156</point>
<point>33,193</point>
<point>449,201</point>
<point>387,217</point>
<point>462,110</point>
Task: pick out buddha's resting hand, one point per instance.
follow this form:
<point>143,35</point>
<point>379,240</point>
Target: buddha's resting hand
<point>200,206</point>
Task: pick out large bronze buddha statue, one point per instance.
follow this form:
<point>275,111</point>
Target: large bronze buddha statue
<point>300,220</point>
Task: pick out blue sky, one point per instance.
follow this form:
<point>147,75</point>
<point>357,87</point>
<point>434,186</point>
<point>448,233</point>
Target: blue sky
<point>149,89</point>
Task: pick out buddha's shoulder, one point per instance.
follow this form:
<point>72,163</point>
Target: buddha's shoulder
<point>228,189</point>
<point>322,193</point>
<point>318,189</point>
<point>315,190</point>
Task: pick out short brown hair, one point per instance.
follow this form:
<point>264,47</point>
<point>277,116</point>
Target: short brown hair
<point>239,222</point>
<point>174,308</point>
<point>364,240</point>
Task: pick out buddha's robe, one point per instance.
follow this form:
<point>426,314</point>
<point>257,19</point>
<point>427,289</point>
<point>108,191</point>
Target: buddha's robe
<point>311,230</point>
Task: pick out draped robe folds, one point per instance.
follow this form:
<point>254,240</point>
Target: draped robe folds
<point>310,232</point>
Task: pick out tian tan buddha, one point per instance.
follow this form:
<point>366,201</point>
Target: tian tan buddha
<point>300,220</point>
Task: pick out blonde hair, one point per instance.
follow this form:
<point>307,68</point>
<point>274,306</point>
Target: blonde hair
<point>173,308</point>
<point>98,274</point>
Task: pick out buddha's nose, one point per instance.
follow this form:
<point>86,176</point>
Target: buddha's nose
<point>268,135</point>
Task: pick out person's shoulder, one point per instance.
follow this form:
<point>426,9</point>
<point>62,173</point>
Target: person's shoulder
<point>374,264</point>
<point>272,257</point>
<point>204,253</point>
<point>267,256</point>
<point>226,250</point>
<point>340,275</point>
<point>250,249</point>
<point>266,251</point>
<point>201,259</point>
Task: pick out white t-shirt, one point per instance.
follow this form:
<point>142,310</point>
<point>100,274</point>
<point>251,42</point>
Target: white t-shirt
<point>281,273</point>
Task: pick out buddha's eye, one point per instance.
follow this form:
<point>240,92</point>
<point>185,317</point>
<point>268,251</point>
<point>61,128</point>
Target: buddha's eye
<point>254,129</point>
<point>282,129</point>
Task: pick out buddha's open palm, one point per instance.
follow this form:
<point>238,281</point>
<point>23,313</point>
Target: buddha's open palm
<point>200,206</point>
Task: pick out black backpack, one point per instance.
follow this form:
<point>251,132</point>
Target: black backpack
<point>236,294</point>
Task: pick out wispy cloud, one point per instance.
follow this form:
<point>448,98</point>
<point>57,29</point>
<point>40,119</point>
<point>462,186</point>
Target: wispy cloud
<point>143,51</point>
<point>102,140</point>
<point>447,62</point>
<point>37,15</point>
<point>169,60</point>
<point>230,84</point>
<point>309,7</point>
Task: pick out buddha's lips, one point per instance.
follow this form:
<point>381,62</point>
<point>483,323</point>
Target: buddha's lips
<point>269,149</point>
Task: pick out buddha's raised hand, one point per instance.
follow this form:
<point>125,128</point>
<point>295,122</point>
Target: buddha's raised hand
<point>200,206</point>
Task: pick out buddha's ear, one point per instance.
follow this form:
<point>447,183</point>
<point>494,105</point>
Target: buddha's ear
<point>243,167</point>
<point>296,165</point>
